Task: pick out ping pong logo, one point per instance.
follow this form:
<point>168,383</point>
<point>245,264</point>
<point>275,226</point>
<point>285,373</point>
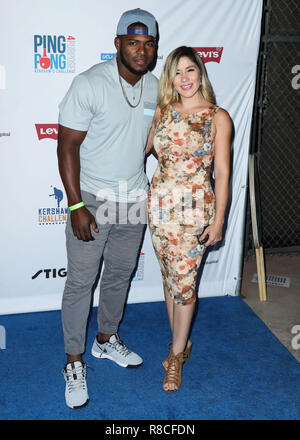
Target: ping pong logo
<point>54,53</point>
<point>47,131</point>
<point>53,215</point>
<point>210,54</point>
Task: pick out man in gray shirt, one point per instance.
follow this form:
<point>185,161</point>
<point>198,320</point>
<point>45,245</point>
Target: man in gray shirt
<point>104,121</point>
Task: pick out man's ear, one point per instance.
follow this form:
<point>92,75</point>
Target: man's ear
<point>117,42</point>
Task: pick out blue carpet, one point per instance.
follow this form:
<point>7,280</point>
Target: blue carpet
<point>238,369</point>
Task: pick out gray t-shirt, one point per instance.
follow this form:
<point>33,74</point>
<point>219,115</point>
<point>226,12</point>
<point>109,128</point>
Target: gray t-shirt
<point>113,152</point>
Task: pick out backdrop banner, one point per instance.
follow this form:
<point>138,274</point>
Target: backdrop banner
<point>44,45</point>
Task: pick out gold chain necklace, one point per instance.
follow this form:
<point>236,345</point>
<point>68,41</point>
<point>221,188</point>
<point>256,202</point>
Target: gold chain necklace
<point>125,96</point>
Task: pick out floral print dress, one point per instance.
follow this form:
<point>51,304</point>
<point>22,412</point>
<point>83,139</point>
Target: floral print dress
<point>181,201</point>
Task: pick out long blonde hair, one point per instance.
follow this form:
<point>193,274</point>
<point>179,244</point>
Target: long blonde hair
<point>167,94</point>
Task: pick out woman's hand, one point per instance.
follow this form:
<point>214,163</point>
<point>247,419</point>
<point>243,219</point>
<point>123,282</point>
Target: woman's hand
<point>214,233</point>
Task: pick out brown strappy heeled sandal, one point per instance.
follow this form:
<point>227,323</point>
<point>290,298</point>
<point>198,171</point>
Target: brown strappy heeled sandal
<point>173,374</point>
<point>187,353</point>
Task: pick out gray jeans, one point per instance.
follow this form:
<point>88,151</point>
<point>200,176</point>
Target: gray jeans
<point>119,245</point>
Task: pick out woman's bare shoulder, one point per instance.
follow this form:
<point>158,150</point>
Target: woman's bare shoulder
<point>222,117</point>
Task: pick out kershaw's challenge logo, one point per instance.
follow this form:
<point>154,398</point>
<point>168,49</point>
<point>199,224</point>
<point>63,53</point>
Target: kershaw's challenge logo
<point>47,131</point>
<point>54,53</point>
<point>53,215</point>
<point>210,54</point>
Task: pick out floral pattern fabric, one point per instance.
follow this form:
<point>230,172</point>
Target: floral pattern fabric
<point>181,200</point>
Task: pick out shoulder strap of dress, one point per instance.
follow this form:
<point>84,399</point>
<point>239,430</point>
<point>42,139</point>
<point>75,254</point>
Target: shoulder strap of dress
<point>215,109</point>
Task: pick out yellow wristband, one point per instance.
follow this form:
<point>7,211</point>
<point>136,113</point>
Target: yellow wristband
<point>78,205</point>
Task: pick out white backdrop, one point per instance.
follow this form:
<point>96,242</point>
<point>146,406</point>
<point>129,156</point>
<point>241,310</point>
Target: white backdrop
<point>76,35</point>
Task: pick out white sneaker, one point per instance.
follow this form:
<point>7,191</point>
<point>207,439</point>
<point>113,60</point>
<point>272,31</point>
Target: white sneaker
<point>76,393</point>
<point>116,351</point>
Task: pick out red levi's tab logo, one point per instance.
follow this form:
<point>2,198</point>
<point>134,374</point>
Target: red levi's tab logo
<point>210,54</point>
<point>47,131</point>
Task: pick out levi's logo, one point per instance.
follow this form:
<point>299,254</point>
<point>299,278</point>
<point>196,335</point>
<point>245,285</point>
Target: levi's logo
<point>210,54</point>
<point>47,131</point>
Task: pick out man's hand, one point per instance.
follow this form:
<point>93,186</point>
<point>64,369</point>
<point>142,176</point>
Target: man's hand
<point>82,220</point>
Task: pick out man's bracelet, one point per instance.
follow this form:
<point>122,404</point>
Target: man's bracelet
<point>78,205</point>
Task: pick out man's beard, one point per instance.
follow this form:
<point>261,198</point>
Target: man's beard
<point>131,69</point>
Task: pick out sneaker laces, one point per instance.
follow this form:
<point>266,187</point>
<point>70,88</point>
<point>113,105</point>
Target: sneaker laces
<point>120,347</point>
<point>75,378</point>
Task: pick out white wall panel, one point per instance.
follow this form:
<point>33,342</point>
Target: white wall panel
<point>29,170</point>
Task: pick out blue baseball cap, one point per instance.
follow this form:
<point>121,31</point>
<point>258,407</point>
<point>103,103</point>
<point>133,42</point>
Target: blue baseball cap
<point>134,16</point>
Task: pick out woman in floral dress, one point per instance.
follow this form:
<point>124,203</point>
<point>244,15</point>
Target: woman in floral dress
<point>188,132</point>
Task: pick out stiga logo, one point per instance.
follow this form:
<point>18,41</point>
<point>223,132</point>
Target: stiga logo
<point>55,215</point>
<point>210,54</point>
<point>47,131</point>
<point>54,53</point>
<point>50,273</point>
